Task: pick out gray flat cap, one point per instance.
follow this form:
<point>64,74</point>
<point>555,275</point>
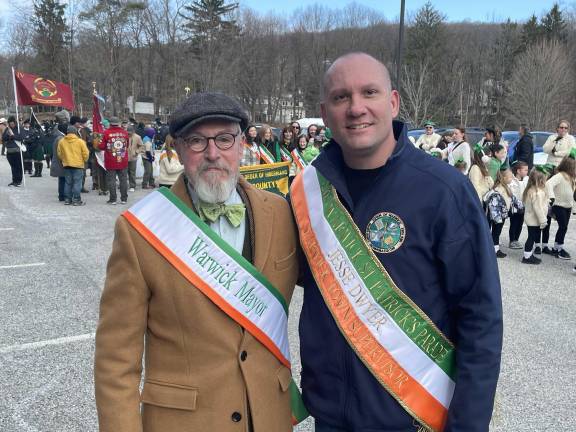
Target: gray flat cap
<point>62,116</point>
<point>200,107</point>
<point>114,121</point>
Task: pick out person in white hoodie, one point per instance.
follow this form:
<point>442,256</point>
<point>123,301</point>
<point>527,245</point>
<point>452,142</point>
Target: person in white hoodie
<point>458,149</point>
<point>518,185</point>
<point>535,199</point>
<point>170,166</point>
<point>560,144</point>
<point>560,189</point>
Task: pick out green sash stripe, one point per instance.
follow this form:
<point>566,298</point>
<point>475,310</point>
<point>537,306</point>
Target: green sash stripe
<point>407,315</point>
<point>299,411</point>
<point>223,245</point>
<point>264,150</point>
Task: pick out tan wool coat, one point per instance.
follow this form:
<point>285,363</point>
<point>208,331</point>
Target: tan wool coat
<point>203,372</point>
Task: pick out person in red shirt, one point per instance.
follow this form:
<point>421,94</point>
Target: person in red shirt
<point>115,144</point>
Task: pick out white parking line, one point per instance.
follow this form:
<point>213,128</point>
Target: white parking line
<point>44,343</point>
<point>6,229</point>
<point>22,265</point>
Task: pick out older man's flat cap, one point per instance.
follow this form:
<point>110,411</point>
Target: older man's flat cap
<point>200,107</point>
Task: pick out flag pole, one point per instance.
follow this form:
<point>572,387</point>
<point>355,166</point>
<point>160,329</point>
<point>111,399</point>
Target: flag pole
<point>18,125</point>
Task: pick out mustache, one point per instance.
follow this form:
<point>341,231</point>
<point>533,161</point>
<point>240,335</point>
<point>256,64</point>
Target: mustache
<point>209,165</point>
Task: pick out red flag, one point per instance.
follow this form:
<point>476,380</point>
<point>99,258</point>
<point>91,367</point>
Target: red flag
<point>96,117</point>
<point>35,90</point>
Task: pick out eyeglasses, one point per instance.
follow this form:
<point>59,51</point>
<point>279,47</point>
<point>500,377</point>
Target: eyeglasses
<point>295,127</point>
<point>199,143</point>
<point>428,127</point>
<point>562,127</point>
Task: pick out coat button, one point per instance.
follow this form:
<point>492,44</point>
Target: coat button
<point>236,416</point>
<point>243,355</point>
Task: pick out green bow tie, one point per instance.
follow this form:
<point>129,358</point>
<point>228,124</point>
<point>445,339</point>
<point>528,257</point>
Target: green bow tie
<point>211,212</point>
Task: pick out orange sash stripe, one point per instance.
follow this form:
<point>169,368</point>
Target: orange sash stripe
<point>195,280</point>
<point>411,395</point>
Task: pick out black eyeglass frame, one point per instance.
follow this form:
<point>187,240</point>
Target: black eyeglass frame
<point>220,146</point>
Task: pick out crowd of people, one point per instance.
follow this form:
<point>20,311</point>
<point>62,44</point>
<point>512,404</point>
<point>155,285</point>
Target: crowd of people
<point>512,187</point>
<point>508,187</point>
<point>70,150</point>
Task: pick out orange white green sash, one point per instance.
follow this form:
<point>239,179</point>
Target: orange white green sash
<point>254,148</point>
<point>298,160</point>
<point>393,337</point>
<point>221,273</point>
<point>285,154</point>
<point>266,156</point>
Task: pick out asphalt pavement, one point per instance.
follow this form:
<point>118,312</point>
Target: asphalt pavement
<point>52,268</point>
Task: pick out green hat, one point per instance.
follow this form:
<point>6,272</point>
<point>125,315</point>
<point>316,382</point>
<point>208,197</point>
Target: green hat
<point>429,123</point>
<point>328,134</point>
<point>478,148</point>
<point>545,169</point>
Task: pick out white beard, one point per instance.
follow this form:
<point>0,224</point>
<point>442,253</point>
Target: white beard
<point>213,190</point>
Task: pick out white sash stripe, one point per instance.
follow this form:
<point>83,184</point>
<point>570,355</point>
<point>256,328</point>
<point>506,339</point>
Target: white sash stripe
<point>390,336</point>
<point>272,321</point>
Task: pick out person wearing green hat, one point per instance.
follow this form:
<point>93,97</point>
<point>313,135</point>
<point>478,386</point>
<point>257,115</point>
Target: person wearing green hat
<point>429,140</point>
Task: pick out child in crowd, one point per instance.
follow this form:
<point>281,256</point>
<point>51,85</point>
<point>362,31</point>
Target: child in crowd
<point>478,173</point>
<point>461,166</point>
<point>498,202</point>
<point>498,156</point>
<point>535,199</point>
<point>560,188</point>
<point>519,182</point>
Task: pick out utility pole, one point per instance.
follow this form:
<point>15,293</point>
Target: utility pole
<point>400,52</point>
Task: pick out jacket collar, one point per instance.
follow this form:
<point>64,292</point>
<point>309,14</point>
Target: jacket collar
<point>330,162</point>
<point>257,204</point>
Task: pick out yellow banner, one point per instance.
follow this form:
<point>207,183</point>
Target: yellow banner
<point>270,177</point>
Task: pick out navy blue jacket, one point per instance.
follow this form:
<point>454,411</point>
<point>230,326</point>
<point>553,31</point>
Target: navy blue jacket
<point>446,265</point>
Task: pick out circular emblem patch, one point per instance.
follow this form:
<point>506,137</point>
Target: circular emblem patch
<point>44,87</point>
<point>386,232</point>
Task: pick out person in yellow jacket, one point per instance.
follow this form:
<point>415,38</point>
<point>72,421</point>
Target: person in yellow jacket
<point>73,153</point>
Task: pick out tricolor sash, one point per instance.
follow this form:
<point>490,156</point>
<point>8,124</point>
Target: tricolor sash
<point>285,154</point>
<point>392,336</point>
<point>298,159</point>
<point>216,269</point>
<point>254,148</point>
<point>266,156</point>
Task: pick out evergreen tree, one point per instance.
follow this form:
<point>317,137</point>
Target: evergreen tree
<point>206,21</point>
<point>50,37</point>
<point>553,25</point>
<point>427,36</point>
<point>531,32</point>
<point>209,34</point>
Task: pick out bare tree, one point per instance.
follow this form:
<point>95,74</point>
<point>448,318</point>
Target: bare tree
<point>537,88</point>
<point>417,100</point>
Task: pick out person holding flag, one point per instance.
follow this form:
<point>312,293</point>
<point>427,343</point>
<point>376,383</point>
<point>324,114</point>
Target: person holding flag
<point>199,281</point>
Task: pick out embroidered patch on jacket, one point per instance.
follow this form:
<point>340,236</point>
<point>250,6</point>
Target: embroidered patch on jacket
<point>386,232</point>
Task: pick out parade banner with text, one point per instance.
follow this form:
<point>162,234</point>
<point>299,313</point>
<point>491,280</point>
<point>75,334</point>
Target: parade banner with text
<point>35,90</point>
<point>270,177</point>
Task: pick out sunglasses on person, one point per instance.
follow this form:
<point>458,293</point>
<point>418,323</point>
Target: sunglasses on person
<point>562,127</point>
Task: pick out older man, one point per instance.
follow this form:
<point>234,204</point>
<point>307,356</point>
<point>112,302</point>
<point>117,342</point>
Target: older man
<point>430,139</point>
<point>401,328</point>
<point>199,280</point>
